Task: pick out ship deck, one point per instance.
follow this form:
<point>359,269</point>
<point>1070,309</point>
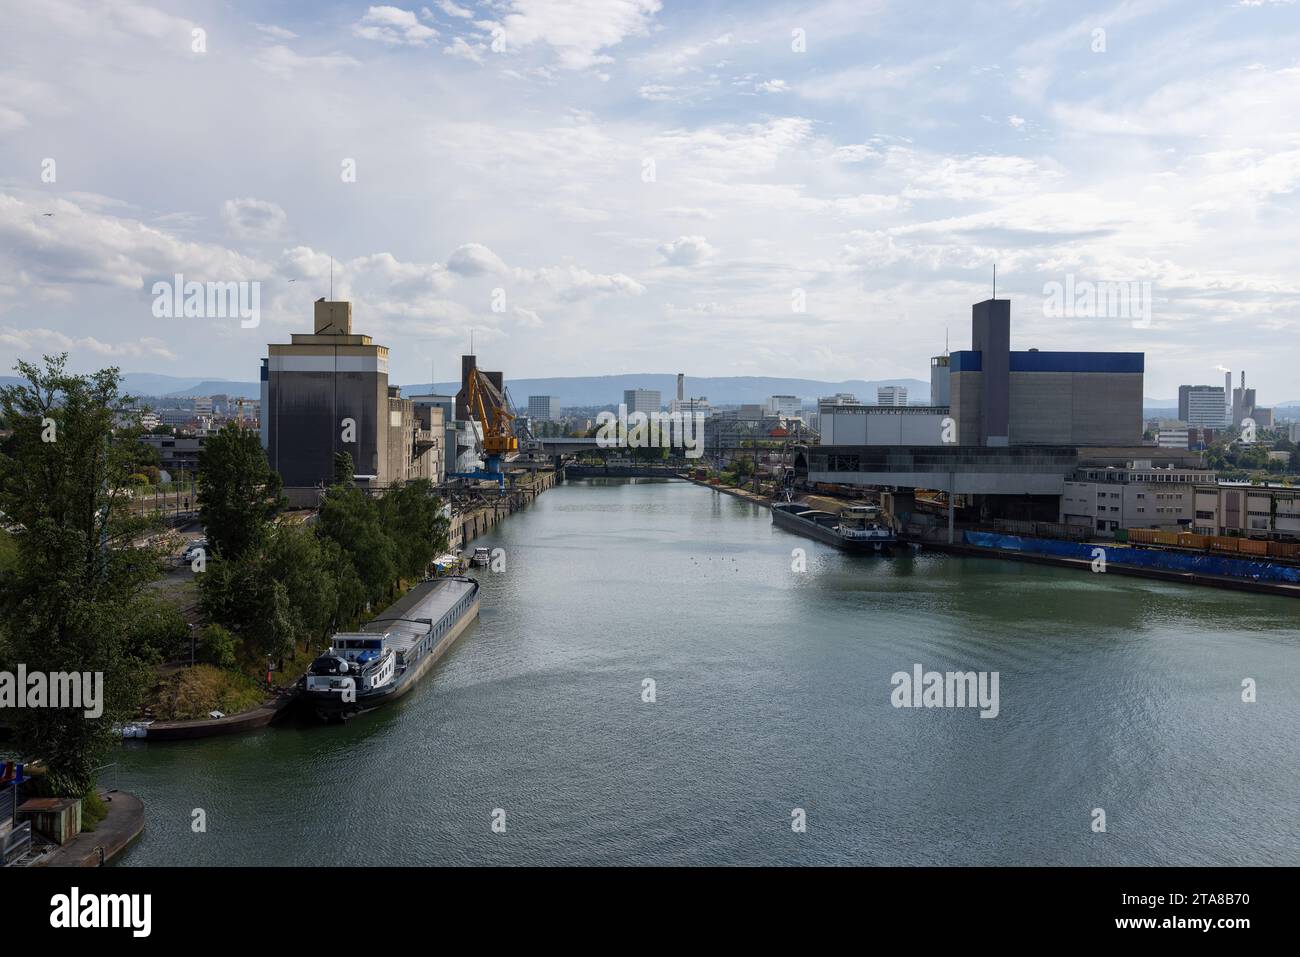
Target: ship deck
<point>403,619</point>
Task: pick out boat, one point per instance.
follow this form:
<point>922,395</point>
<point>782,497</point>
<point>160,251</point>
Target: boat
<point>378,664</point>
<point>481,556</point>
<point>857,528</point>
<point>448,564</point>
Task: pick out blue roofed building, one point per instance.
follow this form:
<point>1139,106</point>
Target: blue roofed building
<point>999,397</point>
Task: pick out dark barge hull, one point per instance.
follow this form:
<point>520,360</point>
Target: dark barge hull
<point>330,707</point>
<point>811,529</point>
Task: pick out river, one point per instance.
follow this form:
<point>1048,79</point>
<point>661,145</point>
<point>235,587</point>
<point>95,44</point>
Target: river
<point>772,692</point>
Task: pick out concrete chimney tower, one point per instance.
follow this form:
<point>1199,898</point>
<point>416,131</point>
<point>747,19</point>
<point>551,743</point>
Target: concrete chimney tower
<point>681,386</point>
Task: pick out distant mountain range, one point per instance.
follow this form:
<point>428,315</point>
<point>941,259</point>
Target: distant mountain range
<point>602,390</point>
<point>573,390</point>
<point>160,386</point>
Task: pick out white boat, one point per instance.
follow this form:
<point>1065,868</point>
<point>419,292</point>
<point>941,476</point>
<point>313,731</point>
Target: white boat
<point>481,556</point>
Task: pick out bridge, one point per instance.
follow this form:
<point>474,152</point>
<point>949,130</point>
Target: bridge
<point>569,445</point>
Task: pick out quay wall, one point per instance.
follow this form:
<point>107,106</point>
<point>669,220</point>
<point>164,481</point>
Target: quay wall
<point>473,523</point>
<point>1141,557</point>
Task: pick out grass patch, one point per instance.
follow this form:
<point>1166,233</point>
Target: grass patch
<point>93,810</point>
<point>192,692</point>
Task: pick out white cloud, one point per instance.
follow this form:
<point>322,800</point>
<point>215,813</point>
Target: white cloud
<point>475,259</point>
<point>11,119</point>
<point>577,30</point>
<point>282,61</point>
<point>41,340</point>
<point>686,251</point>
<point>254,219</point>
<point>276,33</point>
<point>452,10</point>
<point>393,26</point>
<point>461,48</point>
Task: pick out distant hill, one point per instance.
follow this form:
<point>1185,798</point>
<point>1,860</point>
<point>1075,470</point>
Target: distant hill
<point>158,386</point>
<point>720,390</point>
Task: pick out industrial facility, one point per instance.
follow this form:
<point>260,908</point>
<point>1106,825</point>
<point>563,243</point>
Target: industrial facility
<point>1016,425</point>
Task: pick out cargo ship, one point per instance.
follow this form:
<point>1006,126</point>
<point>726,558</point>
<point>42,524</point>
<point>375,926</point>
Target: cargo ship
<point>378,664</point>
<point>857,528</point>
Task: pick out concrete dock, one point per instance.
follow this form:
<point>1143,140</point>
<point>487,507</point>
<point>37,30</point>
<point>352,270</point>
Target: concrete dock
<point>123,824</point>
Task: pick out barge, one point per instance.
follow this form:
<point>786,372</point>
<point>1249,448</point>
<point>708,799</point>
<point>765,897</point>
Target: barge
<point>857,528</point>
<point>378,664</point>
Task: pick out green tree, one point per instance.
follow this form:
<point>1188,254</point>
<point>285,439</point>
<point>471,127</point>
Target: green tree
<point>239,493</point>
<point>248,596</point>
<point>299,558</point>
<point>351,519</point>
<point>344,470</point>
<point>219,646</point>
<point>413,520</point>
<point>72,601</point>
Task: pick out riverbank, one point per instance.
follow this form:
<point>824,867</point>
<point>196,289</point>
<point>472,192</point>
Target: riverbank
<point>1116,568</point>
<point>111,836</point>
<point>258,717</point>
<point>475,522</point>
<point>750,496</point>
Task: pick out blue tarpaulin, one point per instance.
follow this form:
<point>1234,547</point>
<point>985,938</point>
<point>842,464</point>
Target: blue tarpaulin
<point>1140,557</point>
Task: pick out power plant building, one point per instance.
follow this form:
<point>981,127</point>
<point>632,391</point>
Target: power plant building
<point>1000,397</point>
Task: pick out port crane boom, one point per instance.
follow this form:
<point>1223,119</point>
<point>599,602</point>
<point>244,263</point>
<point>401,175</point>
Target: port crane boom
<point>490,409</point>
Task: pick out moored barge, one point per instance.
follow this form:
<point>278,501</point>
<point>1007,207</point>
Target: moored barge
<point>384,660</point>
<point>857,528</point>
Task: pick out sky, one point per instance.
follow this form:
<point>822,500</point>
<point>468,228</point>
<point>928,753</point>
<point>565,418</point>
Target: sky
<point>596,187</point>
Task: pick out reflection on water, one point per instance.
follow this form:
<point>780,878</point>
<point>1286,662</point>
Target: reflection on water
<point>773,693</point>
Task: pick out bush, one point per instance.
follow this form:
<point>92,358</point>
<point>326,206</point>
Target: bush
<point>159,629</point>
<point>218,646</point>
<point>93,810</point>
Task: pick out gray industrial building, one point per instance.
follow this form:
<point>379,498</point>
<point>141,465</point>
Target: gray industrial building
<point>1000,397</point>
<point>1016,426</point>
<point>327,392</point>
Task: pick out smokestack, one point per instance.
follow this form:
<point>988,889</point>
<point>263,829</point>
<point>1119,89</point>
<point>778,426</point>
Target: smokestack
<point>681,386</point>
<point>1227,393</point>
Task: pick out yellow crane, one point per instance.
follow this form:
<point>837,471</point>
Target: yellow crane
<point>493,416</point>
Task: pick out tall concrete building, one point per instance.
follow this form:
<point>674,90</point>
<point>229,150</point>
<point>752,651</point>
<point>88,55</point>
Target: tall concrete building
<point>1243,402</point>
<point>641,400</point>
<point>1201,406</point>
<point>939,372</point>
<point>1000,398</point>
<point>327,392</point>
<point>544,408</point>
<point>784,405</point>
<point>891,395</point>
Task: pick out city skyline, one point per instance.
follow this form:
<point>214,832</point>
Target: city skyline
<point>651,185</point>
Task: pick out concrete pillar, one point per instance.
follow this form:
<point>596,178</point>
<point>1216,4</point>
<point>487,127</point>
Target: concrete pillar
<point>951,508</point>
